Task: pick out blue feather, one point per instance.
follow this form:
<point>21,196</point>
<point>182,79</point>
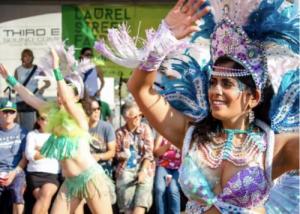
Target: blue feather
<point>271,23</point>
<point>284,111</point>
<point>188,94</point>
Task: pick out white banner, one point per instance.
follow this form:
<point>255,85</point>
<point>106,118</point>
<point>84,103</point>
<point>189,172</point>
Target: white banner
<point>33,32</point>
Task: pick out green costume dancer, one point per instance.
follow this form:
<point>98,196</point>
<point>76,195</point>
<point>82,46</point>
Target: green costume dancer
<point>69,142</point>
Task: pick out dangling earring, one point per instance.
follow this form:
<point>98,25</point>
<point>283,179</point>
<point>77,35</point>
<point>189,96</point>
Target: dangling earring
<point>251,117</point>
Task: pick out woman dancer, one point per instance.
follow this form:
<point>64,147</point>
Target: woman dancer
<point>229,159</point>
<point>69,143</point>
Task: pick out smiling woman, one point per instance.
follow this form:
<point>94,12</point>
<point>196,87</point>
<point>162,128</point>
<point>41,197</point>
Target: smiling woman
<point>226,151</point>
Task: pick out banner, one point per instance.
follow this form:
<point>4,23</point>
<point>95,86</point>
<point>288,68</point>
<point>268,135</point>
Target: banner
<point>33,32</point>
<point>83,25</point>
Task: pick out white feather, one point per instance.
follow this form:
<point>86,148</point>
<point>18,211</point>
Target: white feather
<point>280,60</point>
<point>237,10</point>
<point>122,48</point>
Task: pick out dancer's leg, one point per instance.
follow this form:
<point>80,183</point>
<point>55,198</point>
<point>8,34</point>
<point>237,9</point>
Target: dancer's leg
<point>63,205</point>
<point>98,199</point>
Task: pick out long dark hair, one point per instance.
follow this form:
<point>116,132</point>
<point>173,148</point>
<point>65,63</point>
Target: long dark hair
<point>87,104</point>
<point>207,128</point>
<point>36,125</point>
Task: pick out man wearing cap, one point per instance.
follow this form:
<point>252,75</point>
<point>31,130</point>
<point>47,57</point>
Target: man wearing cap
<point>12,160</point>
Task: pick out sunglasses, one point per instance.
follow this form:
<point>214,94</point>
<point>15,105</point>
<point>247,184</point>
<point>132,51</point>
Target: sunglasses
<point>9,111</point>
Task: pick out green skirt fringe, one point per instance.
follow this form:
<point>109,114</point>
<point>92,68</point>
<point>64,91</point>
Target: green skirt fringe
<point>77,186</point>
<point>60,148</point>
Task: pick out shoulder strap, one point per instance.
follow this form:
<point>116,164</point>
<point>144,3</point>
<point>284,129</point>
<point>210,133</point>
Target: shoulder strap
<point>87,74</point>
<point>29,76</point>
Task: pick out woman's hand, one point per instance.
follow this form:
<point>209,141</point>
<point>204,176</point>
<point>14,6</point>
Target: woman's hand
<point>55,58</point>
<point>182,17</point>
<point>3,71</point>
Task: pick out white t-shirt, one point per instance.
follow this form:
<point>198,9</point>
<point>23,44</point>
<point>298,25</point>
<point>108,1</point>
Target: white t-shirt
<point>35,138</point>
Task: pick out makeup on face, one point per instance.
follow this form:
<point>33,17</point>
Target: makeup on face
<point>221,84</point>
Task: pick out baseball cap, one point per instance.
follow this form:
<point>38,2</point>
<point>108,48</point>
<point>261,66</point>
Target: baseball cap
<point>7,105</point>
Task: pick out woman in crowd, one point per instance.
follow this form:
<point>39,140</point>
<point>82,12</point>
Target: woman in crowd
<point>166,186</point>
<point>230,155</point>
<point>102,145</point>
<point>69,143</point>
<point>43,173</point>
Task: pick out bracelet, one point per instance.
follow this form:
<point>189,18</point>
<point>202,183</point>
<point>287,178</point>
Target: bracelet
<point>11,80</point>
<point>57,74</point>
<point>18,169</point>
<point>164,42</point>
<point>152,63</point>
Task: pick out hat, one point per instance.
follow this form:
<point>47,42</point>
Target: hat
<point>8,105</point>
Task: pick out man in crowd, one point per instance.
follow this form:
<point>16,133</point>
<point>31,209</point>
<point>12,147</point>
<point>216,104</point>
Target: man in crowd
<point>135,168</point>
<point>12,159</point>
<point>26,74</point>
<point>93,80</point>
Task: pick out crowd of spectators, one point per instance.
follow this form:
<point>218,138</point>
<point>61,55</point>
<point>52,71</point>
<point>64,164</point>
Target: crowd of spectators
<point>142,164</point>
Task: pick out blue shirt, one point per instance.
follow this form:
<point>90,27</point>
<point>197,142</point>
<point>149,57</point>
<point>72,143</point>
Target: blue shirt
<point>102,135</point>
<point>12,146</point>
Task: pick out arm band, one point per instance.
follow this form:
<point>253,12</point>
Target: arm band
<point>58,75</point>
<point>11,80</point>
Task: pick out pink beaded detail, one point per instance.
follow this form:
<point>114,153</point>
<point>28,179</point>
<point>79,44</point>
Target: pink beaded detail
<point>239,155</point>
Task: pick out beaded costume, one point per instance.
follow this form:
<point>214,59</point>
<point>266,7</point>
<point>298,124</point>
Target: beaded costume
<point>262,36</point>
<point>248,188</point>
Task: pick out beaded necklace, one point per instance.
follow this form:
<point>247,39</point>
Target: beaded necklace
<point>239,155</point>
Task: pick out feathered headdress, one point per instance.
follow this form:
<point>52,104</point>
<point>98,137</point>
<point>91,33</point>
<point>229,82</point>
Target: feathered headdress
<point>262,35</point>
<point>72,70</point>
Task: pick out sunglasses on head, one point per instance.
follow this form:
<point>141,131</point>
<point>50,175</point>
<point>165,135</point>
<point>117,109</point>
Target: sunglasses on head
<point>9,111</point>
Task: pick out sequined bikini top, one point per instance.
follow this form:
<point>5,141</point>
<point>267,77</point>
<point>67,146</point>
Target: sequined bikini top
<point>247,189</point>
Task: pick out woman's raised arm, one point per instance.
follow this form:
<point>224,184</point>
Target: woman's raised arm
<point>23,92</point>
<point>171,123</point>
<point>65,94</point>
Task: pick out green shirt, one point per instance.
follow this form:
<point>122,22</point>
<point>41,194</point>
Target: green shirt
<point>105,110</point>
